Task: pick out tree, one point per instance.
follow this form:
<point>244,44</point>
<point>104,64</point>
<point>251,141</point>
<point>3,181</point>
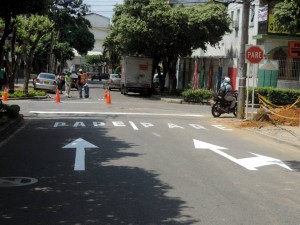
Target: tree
<point>97,61</point>
<point>30,30</point>
<point>287,16</point>
<point>71,25</point>
<point>12,54</point>
<point>11,8</point>
<point>153,28</point>
<point>63,52</point>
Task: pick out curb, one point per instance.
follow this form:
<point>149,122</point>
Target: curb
<point>288,136</point>
<point>26,98</point>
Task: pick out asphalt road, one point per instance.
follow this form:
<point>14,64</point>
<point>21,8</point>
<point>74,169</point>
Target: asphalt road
<point>142,161</point>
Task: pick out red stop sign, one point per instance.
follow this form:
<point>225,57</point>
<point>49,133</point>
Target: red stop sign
<point>254,54</point>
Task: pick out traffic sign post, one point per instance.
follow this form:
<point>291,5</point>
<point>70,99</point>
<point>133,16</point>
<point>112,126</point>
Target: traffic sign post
<point>254,54</point>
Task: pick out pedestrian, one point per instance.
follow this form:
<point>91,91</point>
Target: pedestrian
<point>82,84</point>
<point>68,83</point>
<point>59,82</point>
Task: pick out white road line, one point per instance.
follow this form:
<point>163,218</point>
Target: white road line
<point>156,134</point>
<point>221,127</point>
<point>113,113</point>
<point>133,125</point>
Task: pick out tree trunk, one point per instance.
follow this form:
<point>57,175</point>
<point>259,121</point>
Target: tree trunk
<point>5,34</point>
<point>172,73</point>
<point>26,78</point>
<point>13,65</point>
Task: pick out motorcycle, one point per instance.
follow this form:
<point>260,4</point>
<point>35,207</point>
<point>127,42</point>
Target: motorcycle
<point>221,106</point>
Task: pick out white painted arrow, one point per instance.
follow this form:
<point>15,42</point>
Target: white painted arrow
<point>248,163</point>
<point>80,146</point>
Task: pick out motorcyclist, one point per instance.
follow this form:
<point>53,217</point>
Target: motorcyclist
<point>228,93</point>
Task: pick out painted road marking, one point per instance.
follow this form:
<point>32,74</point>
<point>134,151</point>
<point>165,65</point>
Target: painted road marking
<point>80,146</point>
<point>16,181</point>
<point>114,113</point>
<point>221,127</point>
<point>249,163</point>
<point>134,125</point>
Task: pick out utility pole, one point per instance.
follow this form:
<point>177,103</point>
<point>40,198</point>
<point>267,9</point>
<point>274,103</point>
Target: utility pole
<point>242,64</point>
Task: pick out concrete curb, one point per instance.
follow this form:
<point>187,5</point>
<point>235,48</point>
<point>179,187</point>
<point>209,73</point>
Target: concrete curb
<point>293,140</point>
<point>26,98</point>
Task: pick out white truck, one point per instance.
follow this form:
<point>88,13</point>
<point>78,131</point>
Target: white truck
<point>136,75</point>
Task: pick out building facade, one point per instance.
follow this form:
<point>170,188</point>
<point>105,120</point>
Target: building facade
<point>223,60</point>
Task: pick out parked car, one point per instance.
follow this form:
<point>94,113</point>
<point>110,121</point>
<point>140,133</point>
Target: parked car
<point>45,81</point>
<point>74,78</point>
<point>100,76</point>
<point>96,76</point>
<point>114,82</point>
<point>104,76</point>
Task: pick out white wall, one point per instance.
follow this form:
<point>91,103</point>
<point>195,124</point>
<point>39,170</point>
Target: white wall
<point>100,29</point>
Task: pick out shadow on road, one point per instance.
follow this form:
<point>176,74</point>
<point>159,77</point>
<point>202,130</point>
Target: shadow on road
<point>102,194</point>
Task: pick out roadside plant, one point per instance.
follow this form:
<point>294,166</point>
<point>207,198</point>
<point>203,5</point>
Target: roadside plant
<point>196,96</point>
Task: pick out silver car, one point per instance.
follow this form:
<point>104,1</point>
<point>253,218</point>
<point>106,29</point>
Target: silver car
<point>114,82</point>
<point>45,81</point>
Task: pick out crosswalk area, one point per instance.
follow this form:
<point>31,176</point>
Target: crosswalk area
<point>135,125</point>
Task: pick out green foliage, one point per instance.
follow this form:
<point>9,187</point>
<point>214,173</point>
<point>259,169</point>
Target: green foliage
<point>21,94</point>
<point>8,111</point>
<point>84,40</point>
<point>96,59</point>
<point>13,110</point>
<point>198,95</point>
<point>17,7</point>
<point>276,96</point>
<point>71,25</point>
<point>63,51</point>
<point>286,15</point>
<point>153,28</point>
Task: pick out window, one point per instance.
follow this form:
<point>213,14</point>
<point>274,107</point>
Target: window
<point>296,68</point>
<point>281,57</point>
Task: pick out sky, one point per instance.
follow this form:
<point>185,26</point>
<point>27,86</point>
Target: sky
<point>103,7</point>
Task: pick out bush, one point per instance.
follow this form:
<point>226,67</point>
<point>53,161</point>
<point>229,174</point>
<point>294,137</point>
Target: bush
<point>20,94</point>
<point>198,95</point>
<point>276,96</point>
<point>13,110</point>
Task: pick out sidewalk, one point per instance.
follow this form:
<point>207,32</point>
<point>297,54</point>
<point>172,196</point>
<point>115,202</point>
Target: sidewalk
<point>286,134</point>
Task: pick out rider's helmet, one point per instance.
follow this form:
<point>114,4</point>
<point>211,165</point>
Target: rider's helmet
<point>227,80</point>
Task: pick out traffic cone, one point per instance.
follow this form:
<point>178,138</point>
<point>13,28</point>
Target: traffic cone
<point>4,96</point>
<point>108,100</point>
<point>57,98</point>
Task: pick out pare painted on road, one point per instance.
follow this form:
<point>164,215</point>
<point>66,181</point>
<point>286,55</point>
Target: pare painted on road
<point>133,125</point>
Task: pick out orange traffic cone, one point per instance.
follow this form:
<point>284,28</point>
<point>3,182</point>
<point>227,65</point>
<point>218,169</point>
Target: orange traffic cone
<point>108,100</point>
<point>57,98</point>
<point>4,96</point>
